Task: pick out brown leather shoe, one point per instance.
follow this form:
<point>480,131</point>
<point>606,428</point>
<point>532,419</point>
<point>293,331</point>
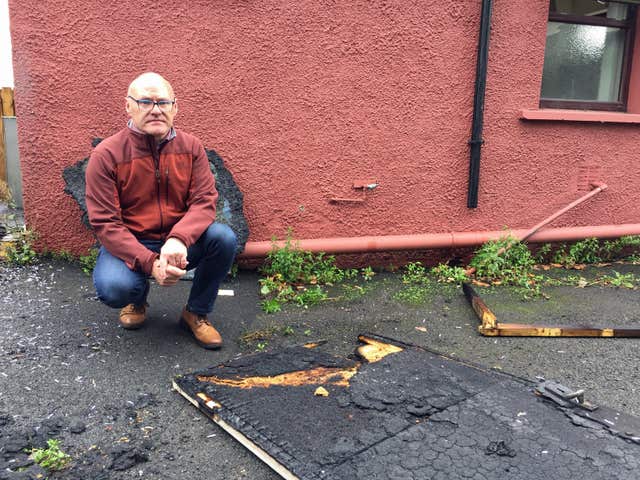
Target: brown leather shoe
<point>133,316</point>
<point>204,333</point>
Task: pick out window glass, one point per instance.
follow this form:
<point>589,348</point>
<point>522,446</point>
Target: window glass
<point>587,55</point>
<point>583,62</point>
<point>590,8</point>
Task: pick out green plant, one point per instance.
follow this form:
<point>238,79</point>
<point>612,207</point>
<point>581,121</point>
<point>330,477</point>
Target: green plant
<point>542,253</point>
<point>233,272</point>
<point>261,346</point>
<point>295,266</point>
<point>310,296</point>
<point>352,292</point>
<point>271,305</point>
<point>584,251</point>
<point>20,251</point>
<point>414,295</point>
<point>350,273</point>
<point>415,273</point>
<point>367,273</point>
<point>446,274</point>
<point>52,457</point>
<point>633,258</point>
<point>419,284</point>
<point>88,261</point>
<point>288,330</point>
<point>612,249</point>
<point>507,260</point>
<point>621,280</point>
<point>60,255</point>
<point>294,275</point>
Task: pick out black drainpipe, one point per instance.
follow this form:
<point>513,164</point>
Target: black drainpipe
<point>478,104</point>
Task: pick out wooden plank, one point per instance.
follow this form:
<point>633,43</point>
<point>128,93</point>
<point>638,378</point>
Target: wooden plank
<point>524,330</point>
<point>6,96</point>
<point>482,311</point>
<point>244,441</point>
<point>491,328</point>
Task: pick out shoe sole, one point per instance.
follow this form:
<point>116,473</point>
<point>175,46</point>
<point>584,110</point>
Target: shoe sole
<point>132,327</point>
<point>208,346</point>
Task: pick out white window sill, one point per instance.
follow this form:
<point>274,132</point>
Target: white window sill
<point>579,116</point>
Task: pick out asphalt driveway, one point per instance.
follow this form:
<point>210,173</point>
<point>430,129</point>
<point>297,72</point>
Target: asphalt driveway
<point>68,371</point>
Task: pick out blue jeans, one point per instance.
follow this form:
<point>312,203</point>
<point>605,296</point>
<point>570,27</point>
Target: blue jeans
<point>212,256</point>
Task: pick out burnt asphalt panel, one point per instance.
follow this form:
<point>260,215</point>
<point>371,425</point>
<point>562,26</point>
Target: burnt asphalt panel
<point>503,432</point>
<point>412,415</point>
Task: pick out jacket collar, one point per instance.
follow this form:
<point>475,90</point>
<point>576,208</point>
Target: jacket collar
<point>171,134</point>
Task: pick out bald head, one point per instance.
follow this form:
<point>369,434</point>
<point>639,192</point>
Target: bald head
<point>143,108</point>
<point>149,80</point>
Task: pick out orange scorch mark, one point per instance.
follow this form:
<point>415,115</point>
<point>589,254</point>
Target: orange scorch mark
<point>315,376</point>
<point>375,350</point>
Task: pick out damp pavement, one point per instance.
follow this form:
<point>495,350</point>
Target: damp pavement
<point>68,371</point>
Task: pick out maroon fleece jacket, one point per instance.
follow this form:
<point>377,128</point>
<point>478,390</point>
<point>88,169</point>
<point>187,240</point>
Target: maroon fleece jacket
<point>135,191</point>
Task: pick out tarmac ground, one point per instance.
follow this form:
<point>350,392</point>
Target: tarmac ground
<point>68,371</point>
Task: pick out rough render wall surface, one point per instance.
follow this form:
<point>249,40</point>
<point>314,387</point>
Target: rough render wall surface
<point>302,98</point>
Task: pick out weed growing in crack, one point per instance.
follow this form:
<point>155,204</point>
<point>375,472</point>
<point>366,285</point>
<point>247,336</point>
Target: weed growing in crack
<point>288,330</point>
<point>353,292</point>
<point>542,255</point>
<point>367,274</point>
<point>419,287</point>
<point>20,251</point>
<point>295,276</point>
<point>445,274</point>
<point>310,296</point>
<point>633,258</point>
<point>507,260</point>
<point>88,261</point>
<point>271,305</point>
<point>51,458</point>
<point>613,249</point>
<point>414,295</point>
<point>255,337</point>
<point>584,251</point>
<point>591,250</point>
<point>415,274</point>
<point>620,280</point>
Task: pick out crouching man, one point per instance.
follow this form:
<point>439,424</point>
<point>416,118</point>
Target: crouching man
<point>151,199</point>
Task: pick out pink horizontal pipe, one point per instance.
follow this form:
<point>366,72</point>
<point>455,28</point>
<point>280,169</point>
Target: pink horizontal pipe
<point>441,240</point>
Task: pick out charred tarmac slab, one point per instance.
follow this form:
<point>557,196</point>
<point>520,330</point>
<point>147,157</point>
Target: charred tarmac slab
<point>397,411</point>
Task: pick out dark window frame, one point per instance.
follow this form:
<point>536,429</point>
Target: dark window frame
<point>625,74</point>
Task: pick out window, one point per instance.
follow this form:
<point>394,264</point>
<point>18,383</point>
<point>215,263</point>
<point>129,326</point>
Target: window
<point>587,59</point>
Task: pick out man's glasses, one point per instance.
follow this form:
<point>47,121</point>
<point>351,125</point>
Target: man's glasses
<point>147,105</point>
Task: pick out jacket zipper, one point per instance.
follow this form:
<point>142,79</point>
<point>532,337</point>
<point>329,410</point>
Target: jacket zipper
<point>156,161</point>
<point>167,185</point>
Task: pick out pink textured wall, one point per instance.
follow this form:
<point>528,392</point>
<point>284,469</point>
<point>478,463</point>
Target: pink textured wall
<point>302,98</point>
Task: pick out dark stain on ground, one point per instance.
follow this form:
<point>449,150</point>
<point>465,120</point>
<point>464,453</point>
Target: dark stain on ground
<point>17,441</point>
<point>410,414</point>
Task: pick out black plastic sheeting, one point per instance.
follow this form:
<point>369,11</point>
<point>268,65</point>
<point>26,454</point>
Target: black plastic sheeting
<point>412,415</point>
<point>228,208</point>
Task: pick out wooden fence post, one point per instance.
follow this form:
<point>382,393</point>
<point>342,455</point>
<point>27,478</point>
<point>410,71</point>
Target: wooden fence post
<point>6,110</point>
<point>6,96</point>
